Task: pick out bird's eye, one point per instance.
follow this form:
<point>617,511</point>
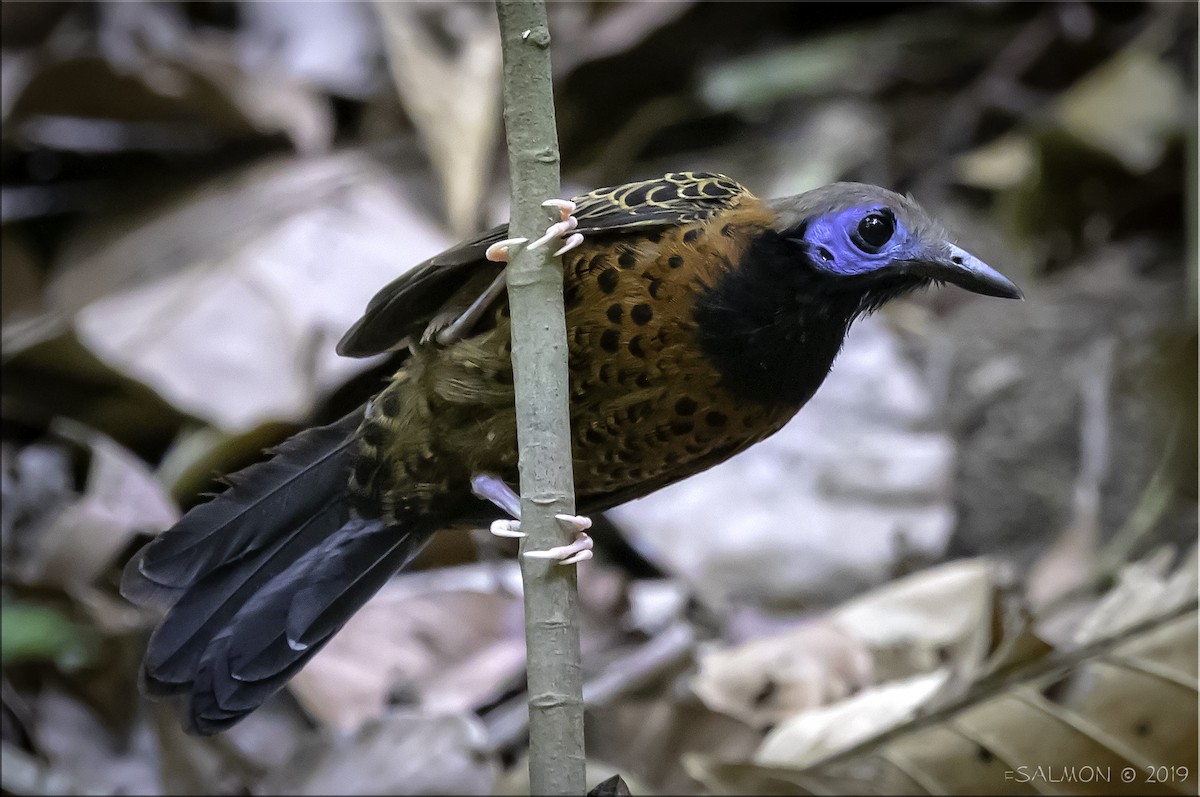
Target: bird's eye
<point>874,231</point>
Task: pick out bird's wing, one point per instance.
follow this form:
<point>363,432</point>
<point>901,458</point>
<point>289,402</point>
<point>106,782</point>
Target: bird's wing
<point>404,306</point>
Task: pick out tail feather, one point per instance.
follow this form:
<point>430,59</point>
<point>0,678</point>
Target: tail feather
<point>356,572</point>
<point>176,646</point>
<point>261,578</point>
<point>277,493</point>
<point>254,656</point>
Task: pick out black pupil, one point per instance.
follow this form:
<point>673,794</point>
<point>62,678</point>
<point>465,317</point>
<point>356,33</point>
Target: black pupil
<point>875,230</point>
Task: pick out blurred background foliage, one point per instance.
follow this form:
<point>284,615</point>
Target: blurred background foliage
<point>200,197</point>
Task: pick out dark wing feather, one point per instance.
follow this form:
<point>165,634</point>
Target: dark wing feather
<point>408,302</point>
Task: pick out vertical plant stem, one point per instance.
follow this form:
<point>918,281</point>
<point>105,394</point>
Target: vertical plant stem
<point>539,353</point>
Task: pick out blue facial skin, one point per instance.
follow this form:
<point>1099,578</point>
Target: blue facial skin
<point>836,245</point>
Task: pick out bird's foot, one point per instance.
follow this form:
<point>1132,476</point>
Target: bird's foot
<point>561,229</point>
<point>578,551</point>
<point>492,488</point>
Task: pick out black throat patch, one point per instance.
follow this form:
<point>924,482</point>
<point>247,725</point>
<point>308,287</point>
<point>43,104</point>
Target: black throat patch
<point>773,325</point>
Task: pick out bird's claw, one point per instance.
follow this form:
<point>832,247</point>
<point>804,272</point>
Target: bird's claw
<point>578,551</point>
<point>507,528</point>
<point>556,230</point>
<point>575,240</point>
<point>498,252</point>
<point>573,553</point>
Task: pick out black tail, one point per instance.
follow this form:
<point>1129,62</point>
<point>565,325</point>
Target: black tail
<point>261,577</point>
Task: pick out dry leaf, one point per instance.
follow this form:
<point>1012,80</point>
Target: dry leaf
<point>1143,590</point>
<point>452,93</point>
<point>76,743</point>
<point>404,752</point>
<point>443,650</point>
<point>767,680</point>
<point>920,624</point>
<point>268,270</point>
<point>1117,715</point>
<point>1130,107</point>
<point>165,87</point>
<point>811,735</point>
<point>646,738</point>
<point>121,499</point>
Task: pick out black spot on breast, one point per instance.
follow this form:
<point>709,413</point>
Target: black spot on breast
<point>364,469</point>
<point>685,406</point>
<point>654,236</point>
<point>608,280</point>
<point>627,259</point>
<point>504,377</point>
<point>643,380</point>
<point>390,405</point>
<point>374,434</point>
<point>504,310</point>
<point>641,314</point>
<point>593,435</point>
<point>681,426</point>
<point>655,287</point>
<point>691,235</point>
<point>610,340</point>
<point>596,263</point>
<point>727,231</point>
<point>674,261</point>
<point>615,311</point>
<point>716,419</point>
<point>635,346</point>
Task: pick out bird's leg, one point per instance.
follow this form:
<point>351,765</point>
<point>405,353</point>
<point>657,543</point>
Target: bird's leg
<point>498,252</point>
<point>453,331</point>
<point>492,488</point>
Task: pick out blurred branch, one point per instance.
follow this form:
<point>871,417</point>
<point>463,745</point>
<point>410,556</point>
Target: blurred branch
<point>1068,559</point>
<point>539,356</point>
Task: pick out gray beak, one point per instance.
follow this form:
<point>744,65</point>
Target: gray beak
<point>959,267</point>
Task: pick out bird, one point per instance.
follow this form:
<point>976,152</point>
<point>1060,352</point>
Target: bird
<point>700,318</point>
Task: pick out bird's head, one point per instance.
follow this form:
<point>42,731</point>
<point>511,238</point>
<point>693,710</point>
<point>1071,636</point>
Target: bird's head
<point>880,241</point>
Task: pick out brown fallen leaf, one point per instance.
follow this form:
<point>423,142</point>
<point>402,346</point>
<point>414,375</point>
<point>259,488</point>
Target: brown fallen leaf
<point>120,499</point>
<point>402,752</point>
<point>227,300</point>
<point>448,650</point>
<point>1101,717</point>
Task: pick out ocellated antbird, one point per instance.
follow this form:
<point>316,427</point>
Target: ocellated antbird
<point>700,318</point>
